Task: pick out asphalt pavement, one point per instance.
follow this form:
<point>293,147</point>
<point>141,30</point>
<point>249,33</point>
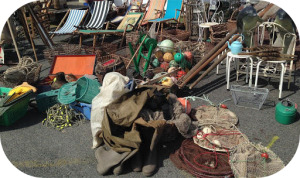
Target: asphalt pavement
<point>44,152</point>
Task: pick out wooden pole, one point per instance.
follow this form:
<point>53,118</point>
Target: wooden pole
<point>193,72</point>
<point>212,54</point>
<point>218,61</point>
<point>30,37</point>
<point>61,22</point>
<point>14,40</point>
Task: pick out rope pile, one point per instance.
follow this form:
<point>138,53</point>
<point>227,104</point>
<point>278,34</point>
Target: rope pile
<point>27,70</point>
<point>61,116</point>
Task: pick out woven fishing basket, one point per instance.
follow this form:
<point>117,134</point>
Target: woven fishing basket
<point>109,63</point>
<point>61,49</point>
<point>175,35</point>
<point>100,51</point>
<point>231,23</point>
<point>132,37</point>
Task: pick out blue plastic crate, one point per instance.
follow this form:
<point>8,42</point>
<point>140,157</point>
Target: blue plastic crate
<point>83,108</point>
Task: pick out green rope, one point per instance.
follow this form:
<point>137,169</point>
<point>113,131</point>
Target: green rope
<point>61,116</point>
<point>205,98</point>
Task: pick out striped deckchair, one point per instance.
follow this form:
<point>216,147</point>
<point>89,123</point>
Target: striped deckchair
<point>156,7</point>
<point>100,12</point>
<point>75,18</point>
<point>124,27</point>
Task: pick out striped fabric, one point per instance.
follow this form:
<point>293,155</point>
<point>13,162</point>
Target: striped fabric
<point>100,12</point>
<point>171,11</point>
<point>74,18</point>
<point>151,13</point>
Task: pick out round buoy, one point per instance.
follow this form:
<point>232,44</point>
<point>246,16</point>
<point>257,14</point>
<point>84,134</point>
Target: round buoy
<point>168,57</point>
<point>178,57</point>
<point>173,63</point>
<point>180,74</point>
<point>167,81</point>
<point>188,56</point>
<point>165,66</point>
<point>167,46</point>
<point>155,62</point>
<point>187,107</point>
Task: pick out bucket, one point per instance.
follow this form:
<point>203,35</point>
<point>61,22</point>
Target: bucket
<point>285,112</point>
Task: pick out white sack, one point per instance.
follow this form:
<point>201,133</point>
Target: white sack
<point>111,89</point>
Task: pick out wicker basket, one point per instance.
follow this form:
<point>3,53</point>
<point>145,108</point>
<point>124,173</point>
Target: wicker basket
<point>132,37</point>
<point>100,51</point>
<point>175,35</point>
<point>103,67</point>
<point>61,49</point>
<point>218,32</point>
<point>231,23</point>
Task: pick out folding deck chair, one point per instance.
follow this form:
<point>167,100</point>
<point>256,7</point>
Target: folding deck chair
<point>127,25</point>
<point>75,17</point>
<point>171,13</point>
<point>155,10</point>
<point>100,12</point>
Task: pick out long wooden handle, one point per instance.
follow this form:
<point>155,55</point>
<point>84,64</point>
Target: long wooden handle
<point>137,50</point>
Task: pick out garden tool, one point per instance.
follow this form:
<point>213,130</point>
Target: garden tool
<point>145,43</point>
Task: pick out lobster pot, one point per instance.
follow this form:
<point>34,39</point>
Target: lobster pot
<point>192,19</point>
<point>109,63</point>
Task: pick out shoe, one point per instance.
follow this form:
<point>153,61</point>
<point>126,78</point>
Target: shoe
<point>136,162</point>
<point>151,163</point>
<point>118,169</point>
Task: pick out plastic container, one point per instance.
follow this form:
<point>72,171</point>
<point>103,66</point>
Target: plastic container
<point>12,111</point>
<point>248,97</point>
<point>83,90</point>
<point>4,92</point>
<point>87,89</point>
<point>46,100</point>
<point>67,93</point>
<point>285,112</point>
<point>83,108</point>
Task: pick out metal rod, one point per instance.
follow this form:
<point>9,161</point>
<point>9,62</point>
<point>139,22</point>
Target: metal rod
<point>14,40</point>
<point>193,71</point>
<point>217,62</point>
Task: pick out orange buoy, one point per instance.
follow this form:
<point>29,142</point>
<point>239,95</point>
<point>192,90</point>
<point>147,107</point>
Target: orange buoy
<point>188,56</point>
<point>180,74</point>
<point>187,107</point>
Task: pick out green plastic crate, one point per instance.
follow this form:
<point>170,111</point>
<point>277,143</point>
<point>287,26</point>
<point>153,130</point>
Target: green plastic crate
<point>46,100</point>
<point>14,110</point>
<point>4,92</point>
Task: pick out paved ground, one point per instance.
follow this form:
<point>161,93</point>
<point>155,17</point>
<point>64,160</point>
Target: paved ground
<point>44,152</point>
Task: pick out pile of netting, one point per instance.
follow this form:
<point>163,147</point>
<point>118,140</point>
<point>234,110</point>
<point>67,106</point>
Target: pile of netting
<point>201,162</point>
<point>219,148</point>
<point>247,160</point>
<point>61,116</point>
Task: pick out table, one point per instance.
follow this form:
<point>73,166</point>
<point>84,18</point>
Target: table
<point>203,26</point>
